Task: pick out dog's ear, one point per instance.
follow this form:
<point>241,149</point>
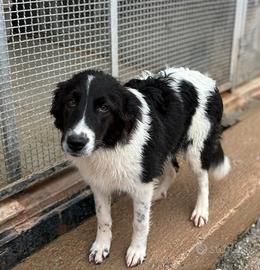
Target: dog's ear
<point>134,83</point>
<point>57,106</point>
<point>130,110</point>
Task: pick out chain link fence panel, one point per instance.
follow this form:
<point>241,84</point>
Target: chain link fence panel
<point>42,43</point>
<point>197,34</point>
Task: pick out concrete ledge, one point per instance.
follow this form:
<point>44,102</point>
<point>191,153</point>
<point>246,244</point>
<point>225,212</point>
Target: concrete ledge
<point>36,201</point>
<point>174,243</point>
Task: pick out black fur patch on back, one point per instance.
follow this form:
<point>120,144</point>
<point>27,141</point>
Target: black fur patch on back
<point>171,111</point>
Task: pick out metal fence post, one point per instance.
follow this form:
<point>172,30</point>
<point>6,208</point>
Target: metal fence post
<point>8,129</point>
<point>114,37</point>
<point>239,27</point>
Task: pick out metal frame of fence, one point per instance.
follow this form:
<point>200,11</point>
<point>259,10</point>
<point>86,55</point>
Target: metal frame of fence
<point>239,27</point>
<point>113,35</point>
<point>7,116</point>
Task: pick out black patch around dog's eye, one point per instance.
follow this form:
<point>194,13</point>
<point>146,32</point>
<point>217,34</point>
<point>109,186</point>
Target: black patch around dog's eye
<point>103,108</point>
<point>101,105</point>
<point>72,103</point>
<point>72,100</point>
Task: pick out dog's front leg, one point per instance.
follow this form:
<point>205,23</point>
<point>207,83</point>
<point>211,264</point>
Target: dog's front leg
<point>100,248</point>
<point>136,252</point>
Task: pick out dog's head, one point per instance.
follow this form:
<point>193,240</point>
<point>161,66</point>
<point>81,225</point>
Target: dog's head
<point>93,110</point>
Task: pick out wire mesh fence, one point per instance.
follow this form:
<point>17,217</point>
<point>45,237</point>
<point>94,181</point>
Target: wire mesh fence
<point>44,42</point>
<point>197,34</point>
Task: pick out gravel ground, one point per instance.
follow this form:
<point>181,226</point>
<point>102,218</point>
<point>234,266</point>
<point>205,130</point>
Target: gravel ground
<point>245,253</point>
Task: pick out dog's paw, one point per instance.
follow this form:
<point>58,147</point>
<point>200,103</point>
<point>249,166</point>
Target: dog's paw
<point>98,252</point>
<point>200,216</point>
<point>135,255</point>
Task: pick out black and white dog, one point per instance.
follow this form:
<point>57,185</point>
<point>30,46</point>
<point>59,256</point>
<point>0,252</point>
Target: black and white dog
<point>126,138</point>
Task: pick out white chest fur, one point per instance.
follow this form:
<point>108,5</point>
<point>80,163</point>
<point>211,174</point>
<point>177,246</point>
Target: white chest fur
<point>110,170</point>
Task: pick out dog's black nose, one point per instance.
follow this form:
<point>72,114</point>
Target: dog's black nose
<point>76,142</point>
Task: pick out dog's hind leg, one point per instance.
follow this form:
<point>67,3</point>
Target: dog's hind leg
<point>166,180</point>
<point>201,211</point>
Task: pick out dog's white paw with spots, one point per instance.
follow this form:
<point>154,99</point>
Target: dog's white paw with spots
<point>99,252</point>
<point>135,255</point>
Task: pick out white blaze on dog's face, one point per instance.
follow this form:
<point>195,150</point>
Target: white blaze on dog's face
<point>93,110</point>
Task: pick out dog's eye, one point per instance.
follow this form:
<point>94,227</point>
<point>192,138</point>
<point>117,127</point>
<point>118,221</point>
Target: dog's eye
<point>72,103</point>
<point>103,108</point>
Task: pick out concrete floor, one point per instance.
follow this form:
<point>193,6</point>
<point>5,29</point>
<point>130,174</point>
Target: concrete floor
<point>174,243</point>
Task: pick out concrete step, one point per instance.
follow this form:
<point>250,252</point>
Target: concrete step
<point>174,242</point>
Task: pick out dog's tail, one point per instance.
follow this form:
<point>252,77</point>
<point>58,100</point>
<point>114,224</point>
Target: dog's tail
<point>220,165</point>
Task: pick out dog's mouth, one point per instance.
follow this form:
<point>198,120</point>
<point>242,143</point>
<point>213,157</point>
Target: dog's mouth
<point>74,154</point>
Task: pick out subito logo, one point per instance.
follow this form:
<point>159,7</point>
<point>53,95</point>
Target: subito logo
<point>201,249</point>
